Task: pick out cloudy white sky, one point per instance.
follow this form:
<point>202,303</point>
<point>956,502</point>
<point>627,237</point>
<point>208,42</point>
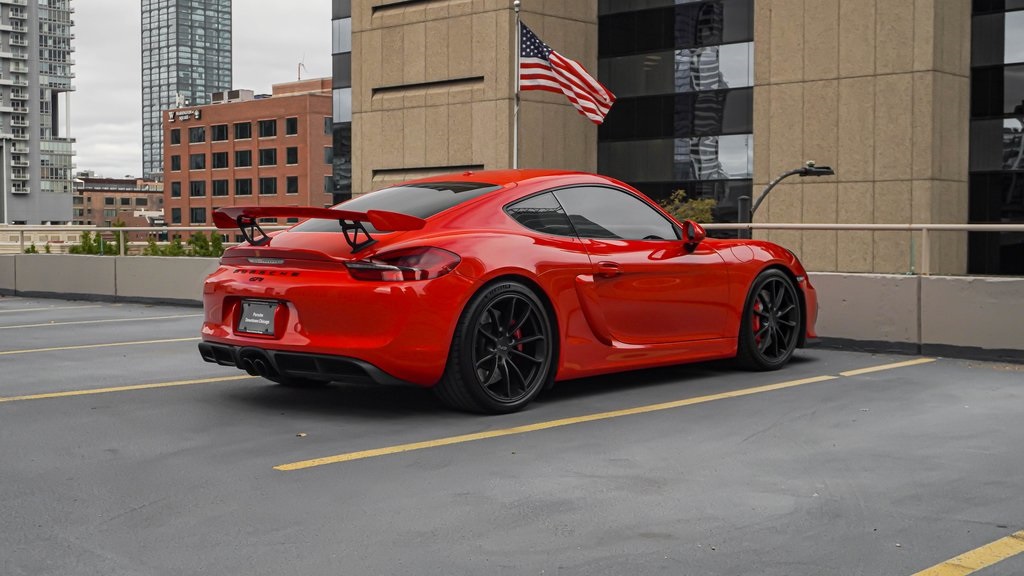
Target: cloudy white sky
<point>270,38</point>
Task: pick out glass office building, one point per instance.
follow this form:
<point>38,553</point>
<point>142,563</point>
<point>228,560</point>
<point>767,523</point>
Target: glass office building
<point>186,56</point>
<point>997,135</point>
<point>683,75</point>
<point>341,31</point>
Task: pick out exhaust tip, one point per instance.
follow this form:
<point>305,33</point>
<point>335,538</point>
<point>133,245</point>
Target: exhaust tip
<point>261,367</point>
<point>249,367</point>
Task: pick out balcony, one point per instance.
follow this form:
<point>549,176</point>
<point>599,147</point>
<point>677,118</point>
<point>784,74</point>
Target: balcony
<point>15,2</point>
<point>19,136</point>
<point>19,163</point>
<point>19,149</point>
<point>7,109</point>
<point>19,123</point>
<point>19,42</point>
<point>19,68</point>
<point>17,14</point>
<point>19,190</point>
<point>18,95</point>
<point>19,175</point>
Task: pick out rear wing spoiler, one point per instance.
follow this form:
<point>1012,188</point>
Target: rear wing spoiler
<point>246,219</point>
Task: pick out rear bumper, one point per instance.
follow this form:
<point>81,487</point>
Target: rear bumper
<point>296,365</point>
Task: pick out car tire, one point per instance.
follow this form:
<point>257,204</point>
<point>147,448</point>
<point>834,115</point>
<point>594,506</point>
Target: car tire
<point>502,353</point>
<point>771,322</point>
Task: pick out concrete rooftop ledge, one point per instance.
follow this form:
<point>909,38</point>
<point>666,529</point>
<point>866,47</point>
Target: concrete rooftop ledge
<point>956,316</point>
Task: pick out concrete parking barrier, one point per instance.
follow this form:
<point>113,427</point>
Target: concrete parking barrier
<point>975,317</point>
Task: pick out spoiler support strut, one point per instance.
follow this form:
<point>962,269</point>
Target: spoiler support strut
<point>351,229</point>
<point>253,226</point>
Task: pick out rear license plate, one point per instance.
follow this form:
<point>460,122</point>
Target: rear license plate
<point>257,317</point>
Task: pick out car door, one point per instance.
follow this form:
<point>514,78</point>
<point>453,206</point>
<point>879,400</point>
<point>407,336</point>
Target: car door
<point>647,285</point>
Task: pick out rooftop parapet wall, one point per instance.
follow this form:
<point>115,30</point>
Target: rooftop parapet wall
<point>971,317</point>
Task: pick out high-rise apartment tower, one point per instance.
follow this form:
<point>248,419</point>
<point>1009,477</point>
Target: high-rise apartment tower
<point>186,56</point>
<point>35,70</point>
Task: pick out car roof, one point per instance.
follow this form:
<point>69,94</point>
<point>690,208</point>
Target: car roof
<point>497,177</point>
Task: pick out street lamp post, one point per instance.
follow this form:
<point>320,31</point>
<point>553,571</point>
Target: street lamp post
<point>746,211</point>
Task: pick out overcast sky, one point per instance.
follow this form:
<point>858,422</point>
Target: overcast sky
<point>270,38</point>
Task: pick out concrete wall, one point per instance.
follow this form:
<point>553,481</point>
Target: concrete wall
<point>960,316</point>
<point>943,315</point>
<point>170,279</point>
<point>152,279</point>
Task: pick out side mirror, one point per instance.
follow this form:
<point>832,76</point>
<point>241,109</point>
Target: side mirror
<point>693,233</point>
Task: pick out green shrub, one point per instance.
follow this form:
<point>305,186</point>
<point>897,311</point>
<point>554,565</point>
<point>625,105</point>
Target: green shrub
<point>700,210</point>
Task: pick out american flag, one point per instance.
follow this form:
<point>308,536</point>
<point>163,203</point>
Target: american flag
<point>541,68</point>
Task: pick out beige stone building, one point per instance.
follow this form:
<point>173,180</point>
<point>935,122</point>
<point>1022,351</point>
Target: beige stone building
<point>717,97</point>
<point>433,89</point>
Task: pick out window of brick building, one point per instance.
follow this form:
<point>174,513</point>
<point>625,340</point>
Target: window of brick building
<point>268,128</point>
<point>243,130</point>
<point>243,158</point>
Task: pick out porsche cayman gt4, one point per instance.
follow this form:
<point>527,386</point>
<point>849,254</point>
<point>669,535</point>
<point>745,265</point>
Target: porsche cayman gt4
<point>490,286</point>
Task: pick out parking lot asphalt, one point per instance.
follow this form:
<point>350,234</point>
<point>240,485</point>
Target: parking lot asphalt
<point>122,452</point>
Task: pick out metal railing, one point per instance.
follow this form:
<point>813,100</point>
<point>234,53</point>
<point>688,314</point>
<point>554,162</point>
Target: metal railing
<point>117,231</point>
<point>925,231</point>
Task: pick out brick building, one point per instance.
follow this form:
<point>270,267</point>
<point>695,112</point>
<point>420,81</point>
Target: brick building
<point>249,150</point>
<point>108,201</point>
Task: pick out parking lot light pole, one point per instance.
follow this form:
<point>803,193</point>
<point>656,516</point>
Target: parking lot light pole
<point>746,211</point>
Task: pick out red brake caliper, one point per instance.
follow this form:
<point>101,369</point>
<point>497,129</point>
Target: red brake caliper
<point>757,320</point>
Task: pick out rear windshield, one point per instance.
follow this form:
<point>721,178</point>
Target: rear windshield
<point>420,200</point>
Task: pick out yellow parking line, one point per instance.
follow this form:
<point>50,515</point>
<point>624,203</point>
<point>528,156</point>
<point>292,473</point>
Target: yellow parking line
<point>84,346</point>
<point>122,388</point>
<point>44,324</point>
<point>546,425</point>
<point>347,457</point>
<point>871,369</point>
<point>48,308</point>
<point>983,557</point>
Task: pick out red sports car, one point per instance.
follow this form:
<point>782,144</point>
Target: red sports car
<point>490,286</point>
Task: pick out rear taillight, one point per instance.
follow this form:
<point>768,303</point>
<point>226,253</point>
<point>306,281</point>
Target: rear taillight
<point>404,265</point>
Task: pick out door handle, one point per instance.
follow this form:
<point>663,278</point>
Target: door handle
<point>608,269</point>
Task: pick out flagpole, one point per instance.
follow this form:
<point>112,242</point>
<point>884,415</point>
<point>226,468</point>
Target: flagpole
<point>515,113</point>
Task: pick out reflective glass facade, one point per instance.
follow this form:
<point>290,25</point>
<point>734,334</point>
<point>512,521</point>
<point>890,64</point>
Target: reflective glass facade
<point>186,56</point>
<point>997,135</point>
<point>341,31</point>
<point>683,75</point>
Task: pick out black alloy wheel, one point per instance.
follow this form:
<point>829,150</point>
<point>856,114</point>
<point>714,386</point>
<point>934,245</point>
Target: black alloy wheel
<point>502,354</point>
<point>771,323</point>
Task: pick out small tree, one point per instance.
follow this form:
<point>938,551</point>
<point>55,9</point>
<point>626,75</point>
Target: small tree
<point>699,210</point>
<point>152,249</point>
<point>175,248</point>
<point>216,245</point>
<point>47,248</point>
<point>32,249</point>
<point>85,245</point>
<point>198,245</point>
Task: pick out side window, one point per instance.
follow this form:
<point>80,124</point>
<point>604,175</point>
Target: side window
<point>541,213</point>
<point>599,212</point>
